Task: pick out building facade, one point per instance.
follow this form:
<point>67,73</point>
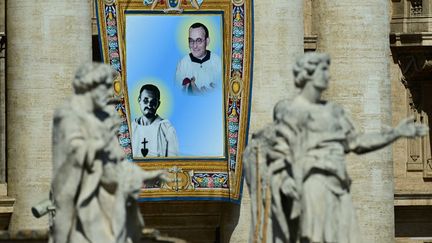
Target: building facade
<point>381,65</point>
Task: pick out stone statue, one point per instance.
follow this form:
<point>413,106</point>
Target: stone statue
<point>94,189</point>
<point>295,167</point>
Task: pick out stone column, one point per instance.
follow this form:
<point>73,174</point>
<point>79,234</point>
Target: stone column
<point>47,41</point>
<point>356,35</point>
<point>278,41</point>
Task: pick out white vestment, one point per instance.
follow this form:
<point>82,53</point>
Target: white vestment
<point>207,71</point>
<point>158,139</point>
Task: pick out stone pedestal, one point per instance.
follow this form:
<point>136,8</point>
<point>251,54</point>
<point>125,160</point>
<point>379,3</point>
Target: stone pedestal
<point>356,35</point>
<point>47,41</point>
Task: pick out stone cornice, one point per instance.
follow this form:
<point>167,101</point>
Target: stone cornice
<point>6,210</point>
<point>410,40</point>
<point>413,53</point>
<point>310,42</point>
<point>415,66</point>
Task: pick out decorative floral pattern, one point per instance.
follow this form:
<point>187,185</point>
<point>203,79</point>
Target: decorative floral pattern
<point>238,39</point>
<point>210,180</point>
<point>236,68</point>
<point>233,127</point>
<point>123,135</point>
<point>114,58</point>
<point>113,47</point>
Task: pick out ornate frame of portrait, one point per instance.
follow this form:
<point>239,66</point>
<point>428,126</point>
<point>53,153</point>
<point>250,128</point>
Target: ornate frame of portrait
<point>197,177</point>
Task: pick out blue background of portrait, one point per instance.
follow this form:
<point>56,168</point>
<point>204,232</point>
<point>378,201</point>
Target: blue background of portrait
<point>154,45</point>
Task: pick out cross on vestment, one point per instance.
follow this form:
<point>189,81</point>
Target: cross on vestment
<point>144,150</point>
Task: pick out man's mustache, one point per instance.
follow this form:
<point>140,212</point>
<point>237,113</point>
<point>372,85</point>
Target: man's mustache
<point>149,109</point>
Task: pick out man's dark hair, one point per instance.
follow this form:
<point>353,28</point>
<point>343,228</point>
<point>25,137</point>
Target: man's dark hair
<point>151,88</point>
<point>199,25</point>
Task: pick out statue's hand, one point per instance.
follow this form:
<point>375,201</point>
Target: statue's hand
<point>154,175</point>
<point>408,128</point>
<point>289,188</point>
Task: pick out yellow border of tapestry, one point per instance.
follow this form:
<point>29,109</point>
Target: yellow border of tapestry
<point>204,86</point>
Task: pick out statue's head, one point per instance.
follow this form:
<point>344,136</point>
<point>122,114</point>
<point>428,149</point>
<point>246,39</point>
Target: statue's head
<point>305,68</point>
<point>97,79</point>
<point>90,75</point>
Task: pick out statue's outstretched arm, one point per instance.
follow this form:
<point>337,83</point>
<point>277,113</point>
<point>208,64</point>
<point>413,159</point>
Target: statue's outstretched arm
<point>368,142</point>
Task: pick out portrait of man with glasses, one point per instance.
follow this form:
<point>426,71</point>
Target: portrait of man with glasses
<point>201,70</point>
<point>152,136</point>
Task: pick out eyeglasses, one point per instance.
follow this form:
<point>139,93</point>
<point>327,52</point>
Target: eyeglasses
<point>152,102</point>
<point>198,41</point>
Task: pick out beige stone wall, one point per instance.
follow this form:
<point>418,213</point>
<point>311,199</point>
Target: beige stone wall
<point>278,41</point>
<point>307,17</point>
<point>399,111</point>
<point>47,40</point>
<point>355,34</point>
<point>239,232</point>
